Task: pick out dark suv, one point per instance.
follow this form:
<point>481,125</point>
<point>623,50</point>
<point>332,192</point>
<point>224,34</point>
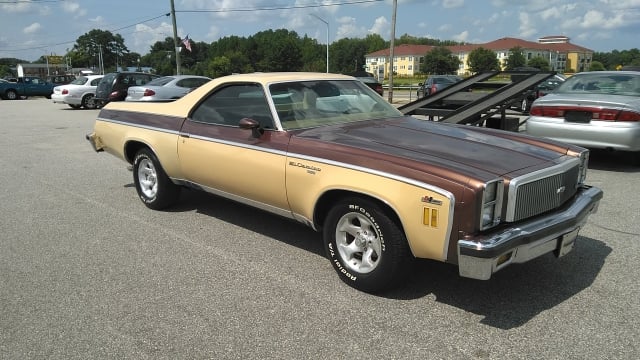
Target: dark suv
<point>114,86</point>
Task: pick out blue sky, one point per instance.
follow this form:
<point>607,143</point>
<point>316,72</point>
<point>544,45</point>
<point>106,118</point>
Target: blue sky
<point>31,28</point>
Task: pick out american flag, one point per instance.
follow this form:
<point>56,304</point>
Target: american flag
<point>187,43</point>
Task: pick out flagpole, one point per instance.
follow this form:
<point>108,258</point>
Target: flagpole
<point>175,38</point>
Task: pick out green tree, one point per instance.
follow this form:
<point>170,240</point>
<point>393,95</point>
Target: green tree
<point>276,51</point>
<point>375,42</point>
<point>5,71</point>
<point>347,55</point>
<point>89,46</point>
<point>597,66</point>
<point>219,66</point>
<point>540,63</point>
<point>313,55</point>
<point>440,60</point>
<point>481,60</point>
<point>515,59</point>
<point>161,57</point>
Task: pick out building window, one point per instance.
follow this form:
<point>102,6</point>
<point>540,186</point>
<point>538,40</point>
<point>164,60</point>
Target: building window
<point>410,67</point>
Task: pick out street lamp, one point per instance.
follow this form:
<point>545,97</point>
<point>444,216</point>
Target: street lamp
<point>326,23</point>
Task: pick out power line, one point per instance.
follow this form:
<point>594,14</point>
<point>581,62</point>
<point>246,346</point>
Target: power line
<point>285,7</point>
<point>38,47</point>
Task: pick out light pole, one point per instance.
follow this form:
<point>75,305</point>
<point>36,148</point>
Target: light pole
<point>326,23</point>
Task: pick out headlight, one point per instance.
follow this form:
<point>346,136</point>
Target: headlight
<point>491,204</point>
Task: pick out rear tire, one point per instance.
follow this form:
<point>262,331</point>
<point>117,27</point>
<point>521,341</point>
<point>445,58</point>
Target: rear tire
<point>366,247</point>
<point>154,187</point>
<point>88,102</point>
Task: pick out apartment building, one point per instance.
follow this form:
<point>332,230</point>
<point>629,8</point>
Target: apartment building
<point>563,56</point>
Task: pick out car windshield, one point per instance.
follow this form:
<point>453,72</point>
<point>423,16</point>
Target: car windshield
<point>160,81</point>
<point>601,83</point>
<point>79,81</point>
<point>444,80</point>
<point>303,104</point>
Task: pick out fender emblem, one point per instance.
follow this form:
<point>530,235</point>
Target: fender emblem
<point>430,200</point>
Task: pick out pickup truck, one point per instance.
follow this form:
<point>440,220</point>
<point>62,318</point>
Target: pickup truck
<point>26,86</point>
<point>383,188</point>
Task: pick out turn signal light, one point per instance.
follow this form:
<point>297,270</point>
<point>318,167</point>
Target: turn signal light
<point>430,217</point>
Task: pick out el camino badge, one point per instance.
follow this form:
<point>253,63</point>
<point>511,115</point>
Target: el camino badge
<point>430,200</point>
<point>310,169</point>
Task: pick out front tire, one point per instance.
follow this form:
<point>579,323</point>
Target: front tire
<point>366,247</point>
<point>154,187</point>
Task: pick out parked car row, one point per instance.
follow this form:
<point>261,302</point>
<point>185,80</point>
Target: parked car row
<point>79,93</point>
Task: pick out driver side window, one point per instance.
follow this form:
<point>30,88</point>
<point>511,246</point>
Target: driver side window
<point>227,106</point>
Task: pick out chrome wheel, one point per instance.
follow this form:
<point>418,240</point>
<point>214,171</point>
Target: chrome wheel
<point>148,178</point>
<point>89,102</point>
<point>358,243</point>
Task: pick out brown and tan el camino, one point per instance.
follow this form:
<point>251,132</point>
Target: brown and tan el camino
<point>384,188</point>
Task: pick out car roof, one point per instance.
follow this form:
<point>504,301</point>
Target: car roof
<point>267,78</point>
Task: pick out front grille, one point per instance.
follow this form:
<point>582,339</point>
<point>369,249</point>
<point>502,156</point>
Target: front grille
<point>548,190</point>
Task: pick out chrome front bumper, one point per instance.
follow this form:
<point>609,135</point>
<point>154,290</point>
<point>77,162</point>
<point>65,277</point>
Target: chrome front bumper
<point>480,257</point>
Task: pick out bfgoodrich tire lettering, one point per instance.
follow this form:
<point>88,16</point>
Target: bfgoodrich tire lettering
<point>154,187</point>
<point>365,246</point>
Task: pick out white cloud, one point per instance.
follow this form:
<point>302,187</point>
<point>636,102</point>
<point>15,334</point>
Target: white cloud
<point>73,8</point>
<point>33,28</point>
<point>347,28</point>
<point>461,37</point>
<point>450,4</point>
<point>145,36</point>
<point>526,28</point>
<point>381,27</point>
<point>17,7</point>
<point>214,33</point>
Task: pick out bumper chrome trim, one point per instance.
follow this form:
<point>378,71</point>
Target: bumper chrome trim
<point>480,257</point>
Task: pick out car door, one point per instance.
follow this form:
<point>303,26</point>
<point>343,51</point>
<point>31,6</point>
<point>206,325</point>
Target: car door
<point>220,157</point>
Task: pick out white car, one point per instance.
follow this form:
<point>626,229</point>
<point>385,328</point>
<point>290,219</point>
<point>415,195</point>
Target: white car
<point>167,88</point>
<point>79,93</point>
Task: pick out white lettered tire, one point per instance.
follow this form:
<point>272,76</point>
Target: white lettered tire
<point>368,250</point>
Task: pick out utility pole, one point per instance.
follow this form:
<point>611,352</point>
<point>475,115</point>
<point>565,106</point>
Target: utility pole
<point>176,41</point>
<point>326,23</point>
<point>391,52</point>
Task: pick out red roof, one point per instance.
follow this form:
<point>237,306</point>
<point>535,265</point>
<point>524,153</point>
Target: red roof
<point>496,45</point>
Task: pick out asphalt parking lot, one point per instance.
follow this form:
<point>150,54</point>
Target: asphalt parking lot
<point>88,272</point>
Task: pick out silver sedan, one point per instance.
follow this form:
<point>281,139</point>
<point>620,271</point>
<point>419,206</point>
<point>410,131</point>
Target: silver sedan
<point>166,88</point>
<point>599,109</point>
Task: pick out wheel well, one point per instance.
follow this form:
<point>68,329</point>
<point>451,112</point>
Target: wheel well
<point>132,148</point>
<point>329,198</point>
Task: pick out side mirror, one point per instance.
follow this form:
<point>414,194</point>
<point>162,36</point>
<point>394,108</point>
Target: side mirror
<point>251,124</point>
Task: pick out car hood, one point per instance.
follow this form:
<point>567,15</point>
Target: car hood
<point>469,150</point>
